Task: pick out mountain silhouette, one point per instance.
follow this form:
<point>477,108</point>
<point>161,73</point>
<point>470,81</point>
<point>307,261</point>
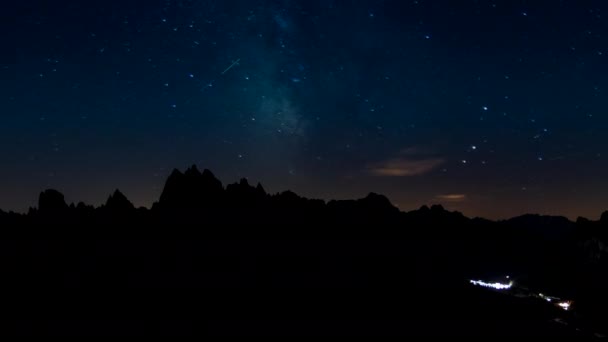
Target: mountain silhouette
<point>118,202</point>
<point>51,202</point>
<point>235,260</point>
<point>191,190</point>
<point>246,193</point>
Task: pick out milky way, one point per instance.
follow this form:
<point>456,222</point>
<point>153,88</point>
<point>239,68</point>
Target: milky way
<point>493,108</point>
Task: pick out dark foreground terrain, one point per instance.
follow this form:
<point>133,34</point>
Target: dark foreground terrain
<point>211,260</point>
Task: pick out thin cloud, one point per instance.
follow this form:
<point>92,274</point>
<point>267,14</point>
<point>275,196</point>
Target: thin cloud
<point>452,197</point>
<point>406,167</point>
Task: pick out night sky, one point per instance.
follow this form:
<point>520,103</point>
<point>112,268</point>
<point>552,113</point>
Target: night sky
<point>493,108</point>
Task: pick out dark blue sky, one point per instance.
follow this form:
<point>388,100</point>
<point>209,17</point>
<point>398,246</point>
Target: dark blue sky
<point>494,108</point>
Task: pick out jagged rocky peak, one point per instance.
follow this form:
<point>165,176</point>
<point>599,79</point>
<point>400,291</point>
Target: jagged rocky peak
<point>211,182</point>
<point>242,184</point>
<point>206,173</point>
<point>244,193</point>
<point>51,201</point>
<point>118,201</point>
<point>175,174</point>
<point>193,171</point>
<point>241,187</point>
<point>191,189</point>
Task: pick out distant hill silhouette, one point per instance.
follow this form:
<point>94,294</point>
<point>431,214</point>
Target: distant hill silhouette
<point>235,260</point>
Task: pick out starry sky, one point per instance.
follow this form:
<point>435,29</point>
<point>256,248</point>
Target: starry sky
<point>493,108</point>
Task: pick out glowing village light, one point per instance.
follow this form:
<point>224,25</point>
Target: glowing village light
<point>564,305</point>
<point>496,286</point>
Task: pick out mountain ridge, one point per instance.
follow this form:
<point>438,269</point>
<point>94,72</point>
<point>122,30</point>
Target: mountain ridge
<point>201,235</point>
<point>194,189</point>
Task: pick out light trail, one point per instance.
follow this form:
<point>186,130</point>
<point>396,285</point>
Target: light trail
<point>496,286</point>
